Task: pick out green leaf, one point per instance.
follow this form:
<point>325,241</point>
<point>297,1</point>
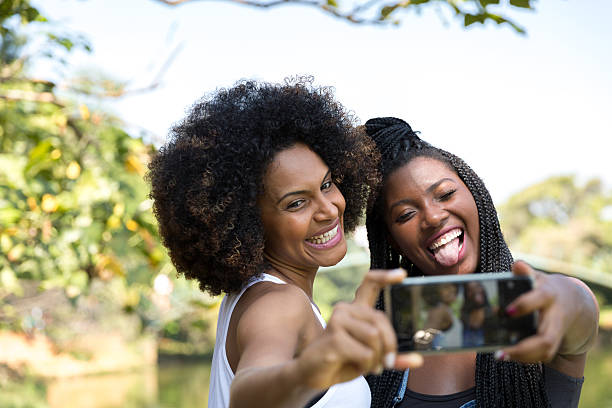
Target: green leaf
<point>9,216</point>
<point>66,43</point>
<point>521,3</point>
<point>41,150</point>
<point>387,10</point>
<point>481,18</point>
<point>38,158</point>
<point>31,14</point>
<point>9,281</point>
<point>470,19</point>
<point>332,3</point>
<point>485,3</point>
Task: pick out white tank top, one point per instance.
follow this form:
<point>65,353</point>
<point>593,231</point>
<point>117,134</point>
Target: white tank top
<point>350,394</point>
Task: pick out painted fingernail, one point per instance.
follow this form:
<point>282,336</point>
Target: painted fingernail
<point>501,355</point>
<point>511,310</point>
<point>389,360</point>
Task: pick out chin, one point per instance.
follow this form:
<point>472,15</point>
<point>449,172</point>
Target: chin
<point>334,259</point>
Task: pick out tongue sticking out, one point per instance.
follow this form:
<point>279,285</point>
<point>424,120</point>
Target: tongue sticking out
<point>448,254</point>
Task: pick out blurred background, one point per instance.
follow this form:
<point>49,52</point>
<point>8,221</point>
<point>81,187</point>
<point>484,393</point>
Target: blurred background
<point>92,313</point>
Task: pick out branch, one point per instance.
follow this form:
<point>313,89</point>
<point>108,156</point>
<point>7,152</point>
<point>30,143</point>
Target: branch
<point>327,7</point>
<point>361,13</point>
<point>120,91</point>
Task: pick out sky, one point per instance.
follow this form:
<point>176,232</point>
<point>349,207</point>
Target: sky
<point>518,109</point>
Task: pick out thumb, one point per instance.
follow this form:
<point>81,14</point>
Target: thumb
<point>374,281</point>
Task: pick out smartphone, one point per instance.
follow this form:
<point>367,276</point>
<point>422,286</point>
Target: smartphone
<point>452,313</point>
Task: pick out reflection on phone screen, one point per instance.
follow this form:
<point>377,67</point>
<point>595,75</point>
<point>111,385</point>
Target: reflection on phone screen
<point>453,316</point>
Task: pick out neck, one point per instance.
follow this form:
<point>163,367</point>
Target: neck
<point>302,278</point>
<point>444,374</point>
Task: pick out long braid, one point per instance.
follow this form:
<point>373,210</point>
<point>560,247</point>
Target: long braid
<point>498,383</point>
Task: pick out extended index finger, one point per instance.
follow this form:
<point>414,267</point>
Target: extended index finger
<point>374,281</point>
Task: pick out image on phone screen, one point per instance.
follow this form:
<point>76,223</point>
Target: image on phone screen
<point>459,315</point>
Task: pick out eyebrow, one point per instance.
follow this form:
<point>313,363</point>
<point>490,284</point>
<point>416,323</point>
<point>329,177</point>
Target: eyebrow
<point>429,190</point>
<point>300,191</point>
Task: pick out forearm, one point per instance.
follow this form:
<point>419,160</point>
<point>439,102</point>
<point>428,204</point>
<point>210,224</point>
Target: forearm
<point>581,334</point>
<point>274,386</point>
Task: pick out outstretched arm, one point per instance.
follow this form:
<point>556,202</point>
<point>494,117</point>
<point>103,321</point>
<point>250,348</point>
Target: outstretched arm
<point>357,340</point>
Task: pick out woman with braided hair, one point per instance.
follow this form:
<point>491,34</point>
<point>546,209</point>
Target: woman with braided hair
<point>433,216</point>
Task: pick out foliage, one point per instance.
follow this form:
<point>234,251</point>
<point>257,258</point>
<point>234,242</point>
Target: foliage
<point>384,13</point>
<point>562,219</point>
<point>339,283</point>
<point>29,393</point>
<point>74,207</point>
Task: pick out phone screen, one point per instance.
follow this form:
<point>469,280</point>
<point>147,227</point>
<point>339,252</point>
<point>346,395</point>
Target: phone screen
<point>458,313</point>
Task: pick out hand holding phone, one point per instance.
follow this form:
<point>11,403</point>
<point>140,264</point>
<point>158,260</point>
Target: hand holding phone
<point>459,312</point>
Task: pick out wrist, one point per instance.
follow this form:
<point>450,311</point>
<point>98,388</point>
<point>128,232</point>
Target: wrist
<point>299,377</point>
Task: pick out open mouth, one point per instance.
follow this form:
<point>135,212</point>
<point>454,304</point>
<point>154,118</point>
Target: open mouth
<point>325,237</point>
<point>447,247</point>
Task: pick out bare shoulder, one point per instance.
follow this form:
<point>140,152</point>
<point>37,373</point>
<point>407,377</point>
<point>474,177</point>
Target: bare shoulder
<point>267,298</point>
<point>269,310</point>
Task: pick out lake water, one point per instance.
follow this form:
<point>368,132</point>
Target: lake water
<point>185,385</point>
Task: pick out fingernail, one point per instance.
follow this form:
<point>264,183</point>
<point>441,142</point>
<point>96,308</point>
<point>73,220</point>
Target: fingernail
<point>389,360</point>
<point>398,271</point>
<point>378,370</point>
<point>501,355</point>
<point>511,310</point>
<point>417,360</point>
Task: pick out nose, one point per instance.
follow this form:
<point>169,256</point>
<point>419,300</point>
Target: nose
<point>327,210</point>
<point>434,216</point>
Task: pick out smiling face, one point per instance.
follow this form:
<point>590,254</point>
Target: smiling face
<point>448,293</point>
<point>432,218</point>
<point>301,210</point>
<point>475,293</point>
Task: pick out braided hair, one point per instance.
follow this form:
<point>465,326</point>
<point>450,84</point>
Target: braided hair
<point>498,383</point>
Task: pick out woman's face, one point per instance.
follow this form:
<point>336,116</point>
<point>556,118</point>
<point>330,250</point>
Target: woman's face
<point>301,210</point>
<point>432,217</point>
<point>474,292</point>
<point>448,293</point>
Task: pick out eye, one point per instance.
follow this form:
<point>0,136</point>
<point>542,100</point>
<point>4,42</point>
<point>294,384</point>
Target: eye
<point>295,204</point>
<point>405,216</point>
<point>447,195</point>
<point>326,186</point>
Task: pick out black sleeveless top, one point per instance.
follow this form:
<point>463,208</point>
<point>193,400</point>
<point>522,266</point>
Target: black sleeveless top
<point>562,390</point>
<point>416,400</point>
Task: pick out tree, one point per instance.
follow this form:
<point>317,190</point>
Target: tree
<point>379,12</point>
<point>563,220</point>
<point>74,208</point>
<point>71,179</point>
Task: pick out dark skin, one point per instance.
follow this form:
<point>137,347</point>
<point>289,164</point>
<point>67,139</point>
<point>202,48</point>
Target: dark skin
<point>275,345</point>
<point>475,292</point>
<point>423,199</point>
<point>439,317</point>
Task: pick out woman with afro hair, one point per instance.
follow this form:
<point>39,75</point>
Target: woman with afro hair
<point>254,191</point>
<point>434,216</point>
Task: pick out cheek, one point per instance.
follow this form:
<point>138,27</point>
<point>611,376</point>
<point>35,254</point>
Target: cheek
<point>405,239</point>
<point>278,229</point>
<point>339,202</point>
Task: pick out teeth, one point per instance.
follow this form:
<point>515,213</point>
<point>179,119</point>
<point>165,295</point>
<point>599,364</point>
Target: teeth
<point>323,238</point>
<point>445,239</point>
